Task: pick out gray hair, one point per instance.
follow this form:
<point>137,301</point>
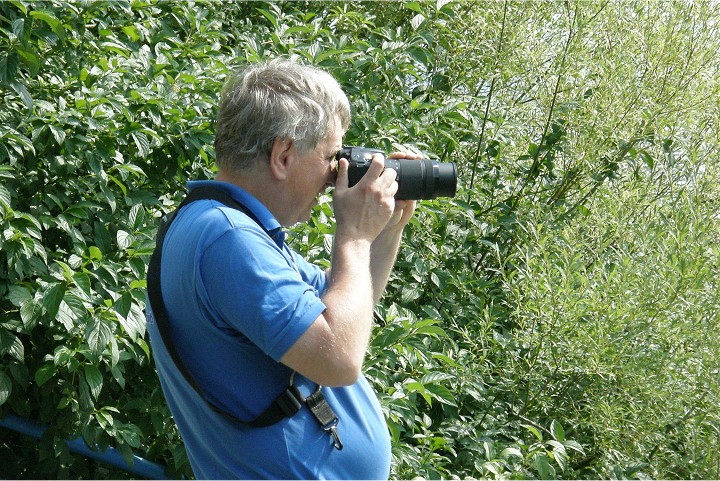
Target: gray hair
<point>273,100</point>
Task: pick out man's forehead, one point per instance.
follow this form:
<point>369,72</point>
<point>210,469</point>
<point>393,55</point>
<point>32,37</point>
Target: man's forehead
<point>333,142</point>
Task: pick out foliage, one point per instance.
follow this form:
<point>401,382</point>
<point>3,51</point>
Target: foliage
<point>97,128</point>
<point>549,322</point>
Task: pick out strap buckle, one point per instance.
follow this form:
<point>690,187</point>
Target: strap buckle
<point>290,401</point>
<point>325,415</point>
<point>332,430</point>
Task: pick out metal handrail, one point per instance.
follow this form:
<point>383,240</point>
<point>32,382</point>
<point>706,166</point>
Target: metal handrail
<point>140,466</point>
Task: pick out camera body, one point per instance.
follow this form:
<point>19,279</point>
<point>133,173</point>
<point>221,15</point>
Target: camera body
<point>417,179</point>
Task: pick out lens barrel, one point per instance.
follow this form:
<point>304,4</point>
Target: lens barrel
<point>417,179</point>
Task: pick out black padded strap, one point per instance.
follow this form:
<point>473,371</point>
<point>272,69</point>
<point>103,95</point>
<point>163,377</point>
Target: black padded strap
<point>286,404</point>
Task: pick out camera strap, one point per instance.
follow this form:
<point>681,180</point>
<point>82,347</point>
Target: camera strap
<point>290,401</point>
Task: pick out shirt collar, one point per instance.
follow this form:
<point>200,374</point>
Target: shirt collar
<point>267,220</point>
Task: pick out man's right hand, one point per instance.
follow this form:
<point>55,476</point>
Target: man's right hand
<point>363,211</point>
<point>332,350</point>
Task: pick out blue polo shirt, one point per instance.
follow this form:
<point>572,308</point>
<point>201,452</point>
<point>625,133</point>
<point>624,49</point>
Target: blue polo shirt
<point>238,298</point>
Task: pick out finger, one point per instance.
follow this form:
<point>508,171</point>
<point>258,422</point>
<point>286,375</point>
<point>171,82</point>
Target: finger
<point>342,174</point>
<point>393,188</point>
<point>405,155</point>
<point>400,204</point>
<point>377,166</point>
<point>389,176</point>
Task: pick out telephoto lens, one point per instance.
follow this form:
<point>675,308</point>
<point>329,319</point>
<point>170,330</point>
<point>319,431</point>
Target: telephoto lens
<point>417,179</point>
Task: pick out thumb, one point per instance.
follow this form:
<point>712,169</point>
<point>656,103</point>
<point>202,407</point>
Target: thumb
<point>342,175</point>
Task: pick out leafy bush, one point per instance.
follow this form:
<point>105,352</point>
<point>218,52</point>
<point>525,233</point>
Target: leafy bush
<point>98,127</point>
<point>549,322</point>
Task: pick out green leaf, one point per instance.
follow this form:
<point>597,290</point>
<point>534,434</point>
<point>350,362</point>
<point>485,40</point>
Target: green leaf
<point>6,338</point>
<point>270,16</point>
<point>15,348</point>
<point>131,168</point>
<point>105,419</point>
<point>114,353</point>
<point>442,394</point>
<point>389,336</point>
<point>19,295</point>
<point>435,377</point>
<point>142,142</point>
<point>89,434</point>
<point>65,316</point>
<point>441,4</point>
<point>5,387</point>
<point>47,16</point>
<point>561,458</point>
<point>544,469</point>
<point>508,452</point>
<point>534,430</point>
<point>419,388</point>
<point>409,293</point>
<point>136,216</point>
<point>98,336</point>
<point>414,6</point>
<point>32,62</point>
<point>8,66</point>
<point>58,134</point>
<point>117,48</point>
<point>103,240</point>
<point>134,322</point>
<point>44,373</point>
<point>435,331</point>
<point>124,239</point>
<point>20,5</point>
<point>118,376</point>
<point>557,431</point>
<point>574,445</point>
<point>123,304</point>
<point>132,435</point>
<point>53,297</point>
<point>29,313</point>
<point>94,380</point>
<point>132,32</point>
<point>94,253</point>
<point>5,199</point>
<point>63,356</point>
<point>127,454</point>
<point>82,281</point>
<point>417,20</point>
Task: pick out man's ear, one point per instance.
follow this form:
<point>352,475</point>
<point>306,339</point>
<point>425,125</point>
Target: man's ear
<point>281,157</point>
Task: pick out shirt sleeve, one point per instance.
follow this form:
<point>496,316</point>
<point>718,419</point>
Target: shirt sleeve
<point>250,285</point>
<point>312,274</point>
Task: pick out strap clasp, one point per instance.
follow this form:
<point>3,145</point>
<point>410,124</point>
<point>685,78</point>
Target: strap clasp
<point>332,429</point>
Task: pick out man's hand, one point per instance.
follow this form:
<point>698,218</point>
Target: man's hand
<point>404,209</point>
<point>370,223</point>
<point>332,350</point>
<point>363,211</point>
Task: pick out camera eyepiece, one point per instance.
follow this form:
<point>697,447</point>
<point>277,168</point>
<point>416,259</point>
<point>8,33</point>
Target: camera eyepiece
<point>417,179</point>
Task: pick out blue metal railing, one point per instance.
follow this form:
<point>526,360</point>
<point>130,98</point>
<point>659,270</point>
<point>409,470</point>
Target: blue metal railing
<point>140,467</point>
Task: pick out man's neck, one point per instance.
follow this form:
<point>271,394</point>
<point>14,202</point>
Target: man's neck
<point>258,184</point>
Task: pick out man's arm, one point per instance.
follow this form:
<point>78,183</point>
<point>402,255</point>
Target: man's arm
<point>332,350</point>
<point>385,247</point>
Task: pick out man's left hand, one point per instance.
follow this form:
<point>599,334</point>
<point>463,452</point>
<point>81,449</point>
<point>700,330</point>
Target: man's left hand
<point>404,209</point>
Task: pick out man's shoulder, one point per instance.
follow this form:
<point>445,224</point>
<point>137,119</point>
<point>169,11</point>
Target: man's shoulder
<point>206,224</point>
<point>240,200</point>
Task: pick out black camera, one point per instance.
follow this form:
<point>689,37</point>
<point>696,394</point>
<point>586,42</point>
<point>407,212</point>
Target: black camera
<point>417,179</point>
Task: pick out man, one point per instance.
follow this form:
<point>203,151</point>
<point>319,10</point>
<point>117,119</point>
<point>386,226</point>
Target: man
<point>248,317</point>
